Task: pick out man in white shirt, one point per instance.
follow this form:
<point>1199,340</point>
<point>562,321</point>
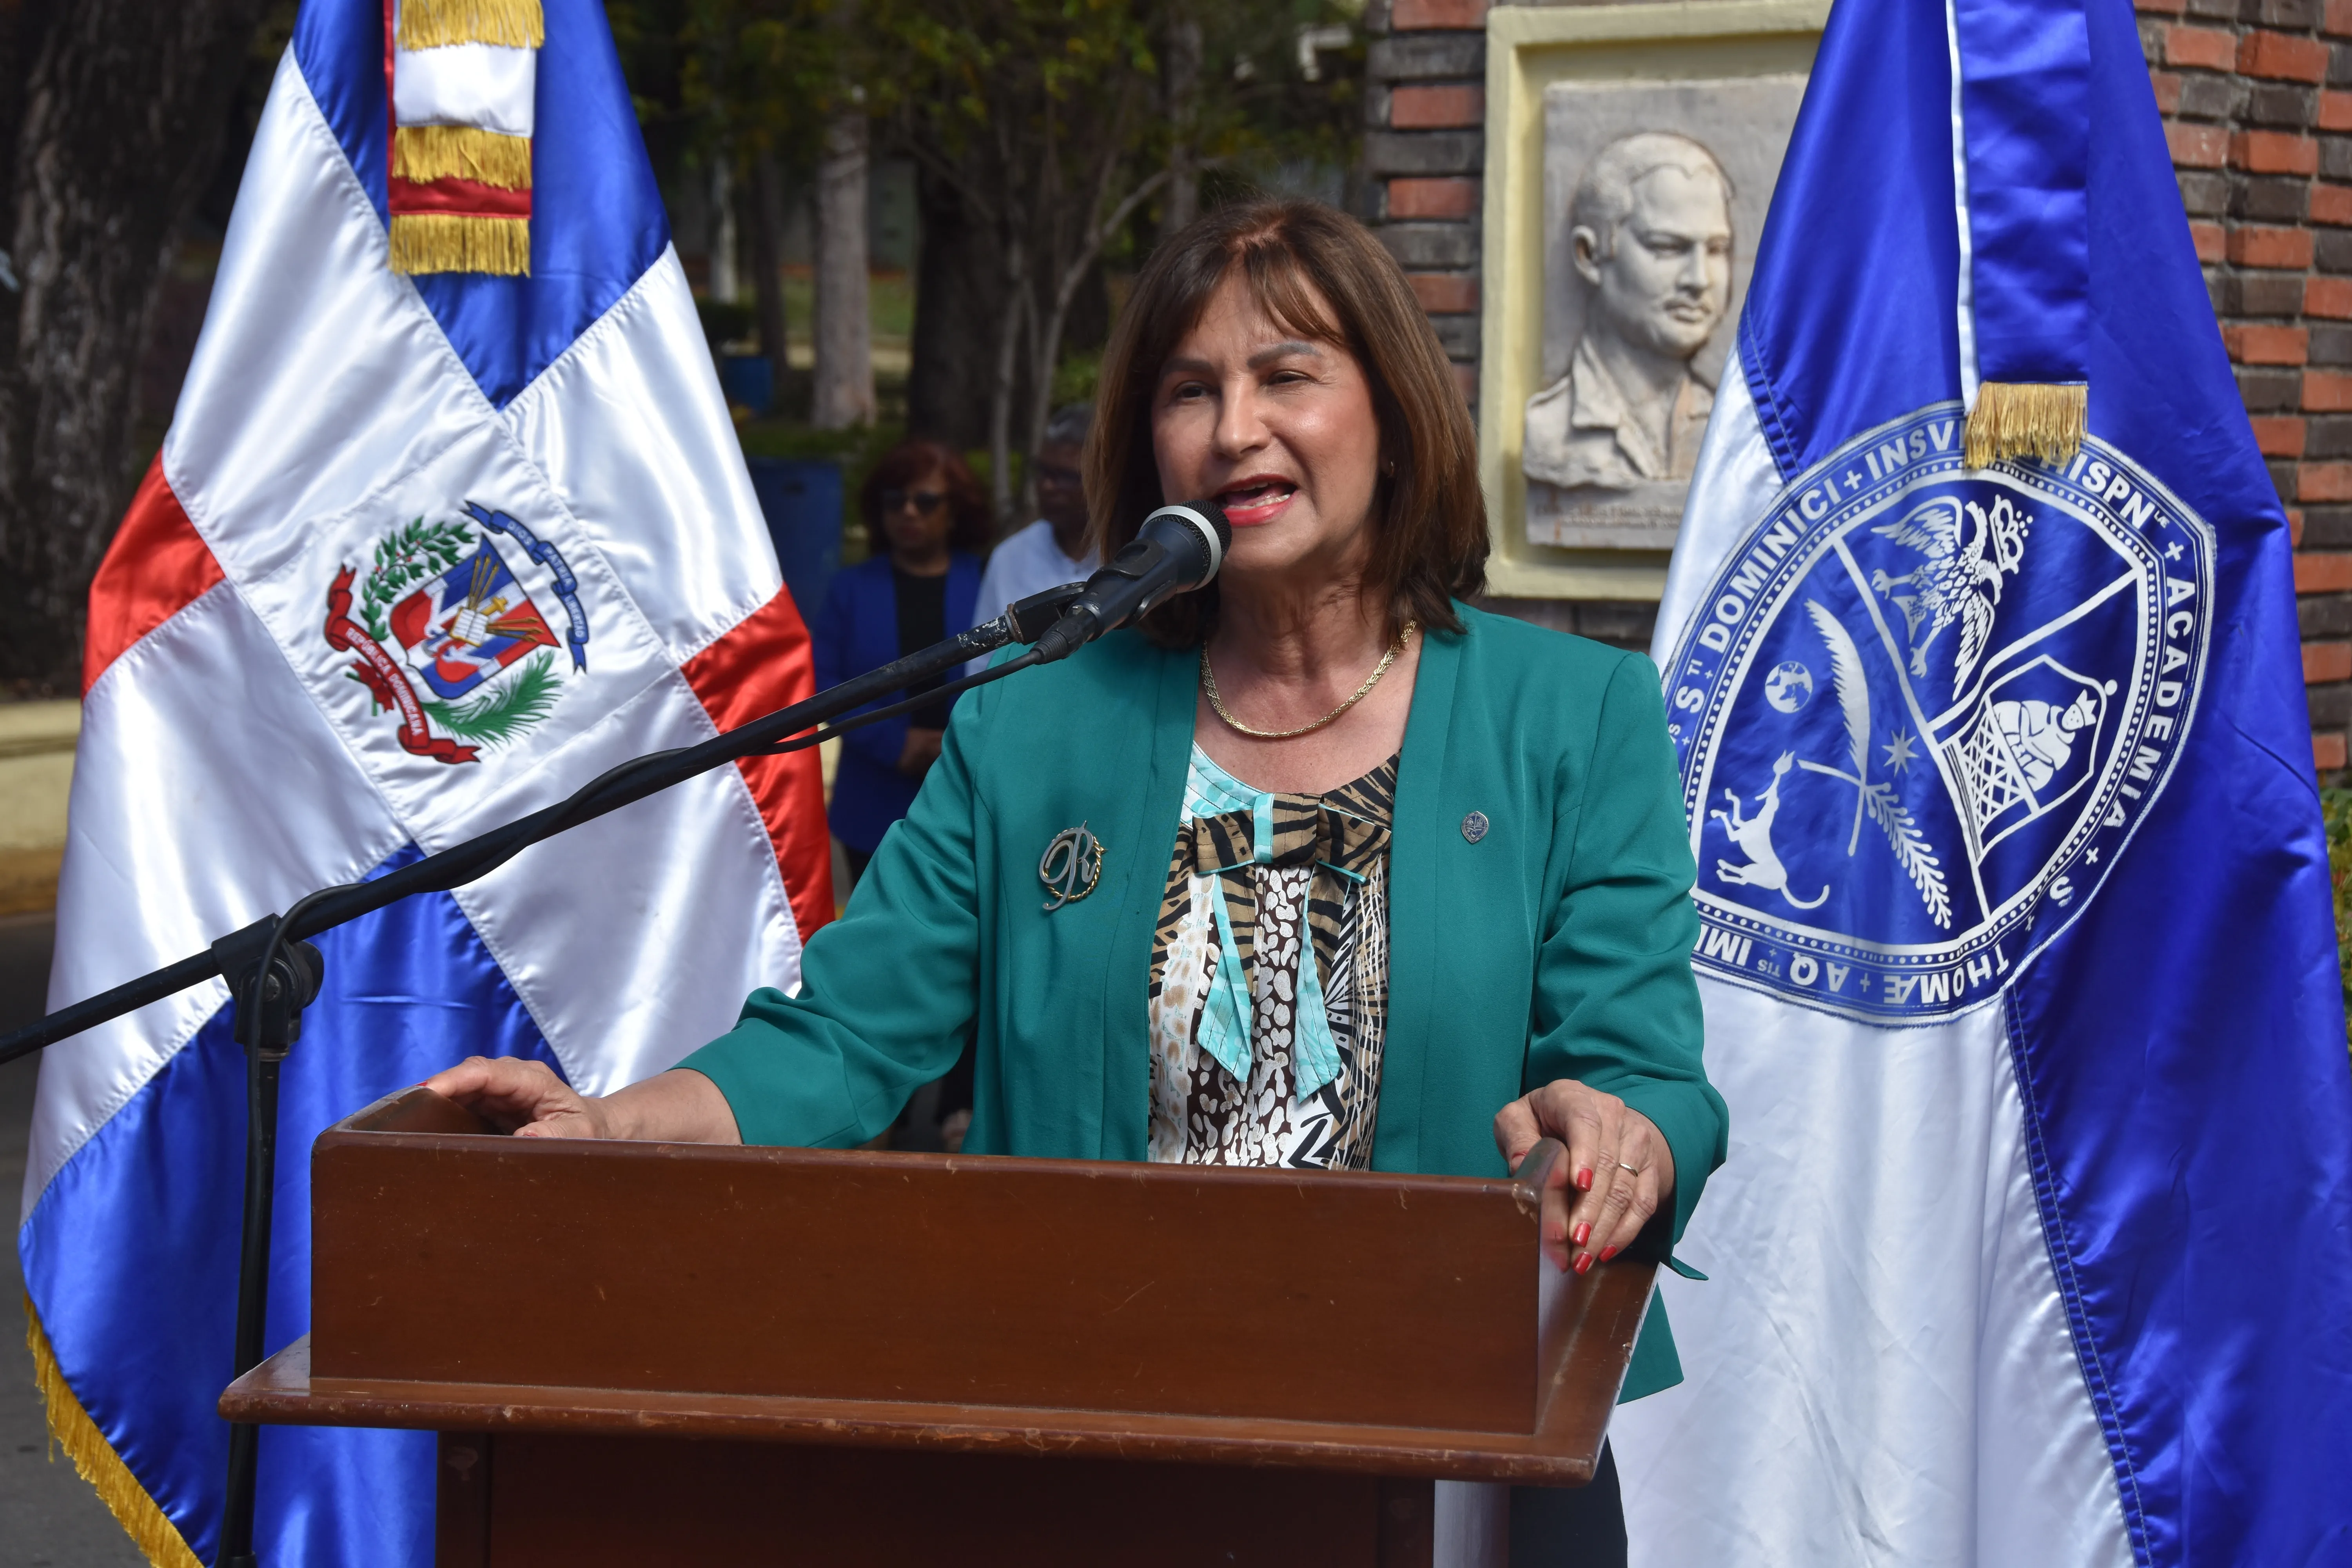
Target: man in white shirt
<point>1052,550</point>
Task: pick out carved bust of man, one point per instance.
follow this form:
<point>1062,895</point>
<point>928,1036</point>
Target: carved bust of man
<point>1650,232</point>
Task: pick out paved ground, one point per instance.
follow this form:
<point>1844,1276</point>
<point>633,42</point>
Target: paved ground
<point>48,1516</point>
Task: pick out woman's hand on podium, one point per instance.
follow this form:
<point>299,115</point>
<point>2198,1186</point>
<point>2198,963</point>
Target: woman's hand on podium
<point>526,1098</point>
<point>1618,1164</point>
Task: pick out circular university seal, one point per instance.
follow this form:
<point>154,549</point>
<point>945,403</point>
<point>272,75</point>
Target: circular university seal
<point>1922,710</point>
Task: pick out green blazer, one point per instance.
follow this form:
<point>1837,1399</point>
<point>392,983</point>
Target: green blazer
<point>1557,946</point>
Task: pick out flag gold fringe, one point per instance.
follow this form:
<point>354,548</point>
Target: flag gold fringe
<point>94,1457</point>
<point>2017,419</point>
<point>428,152</point>
<point>455,242</point>
<point>435,23</point>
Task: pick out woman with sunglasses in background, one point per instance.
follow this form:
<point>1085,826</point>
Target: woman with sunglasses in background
<point>926,525</point>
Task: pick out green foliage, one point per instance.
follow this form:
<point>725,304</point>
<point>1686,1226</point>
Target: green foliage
<point>741,77</point>
<point>405,557</point>
<point>2336,805</point>
<point>1074,377</point>
<point>889,306</point>
<point>1042,88</point>
<point>724,322</point>
<point>857,449</point>
<point>508,708</point>
<point>1062,129</point>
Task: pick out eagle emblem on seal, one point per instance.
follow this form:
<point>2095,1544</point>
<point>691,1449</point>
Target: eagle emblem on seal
<point>1969,549</point>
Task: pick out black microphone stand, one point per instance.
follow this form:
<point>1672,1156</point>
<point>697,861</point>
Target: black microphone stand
<point>274,973</point>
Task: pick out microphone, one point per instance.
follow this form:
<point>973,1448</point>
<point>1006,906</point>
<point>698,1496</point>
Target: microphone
<point>1179,547</point>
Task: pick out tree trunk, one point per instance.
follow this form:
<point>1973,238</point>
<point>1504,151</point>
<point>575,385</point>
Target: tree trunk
<point>1045,355</point>
<point>960,302</point>
<point>1045,336</point>
<point>1181,203</point>
<point>123,110</point>
<point>845,358</point>
<point>22,25</point>
<point>724,287</point>
<point>1002,392</point>
<point>768,262</point>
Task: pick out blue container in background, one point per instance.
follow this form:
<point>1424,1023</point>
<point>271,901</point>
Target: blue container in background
<point>748,380</point>
<point>800,498</point>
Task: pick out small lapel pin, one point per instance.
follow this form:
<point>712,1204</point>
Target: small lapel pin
<point>1474,826</point>
<point>1070,866</point>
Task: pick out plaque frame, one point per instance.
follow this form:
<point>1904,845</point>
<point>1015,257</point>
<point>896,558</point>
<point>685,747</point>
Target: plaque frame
<point>1529,47</point>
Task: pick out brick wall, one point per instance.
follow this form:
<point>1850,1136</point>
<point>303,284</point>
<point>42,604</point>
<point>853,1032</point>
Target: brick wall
<point>2250,92</point>
<point>1425,151</point>
<point>1424,148</point>
<point>2257,102</point>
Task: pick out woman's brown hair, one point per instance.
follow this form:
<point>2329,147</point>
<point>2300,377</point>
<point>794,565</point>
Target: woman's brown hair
<point>1321,274</point>
<point>899,468</point>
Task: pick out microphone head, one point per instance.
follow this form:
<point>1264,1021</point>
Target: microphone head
<point>1198,526</point>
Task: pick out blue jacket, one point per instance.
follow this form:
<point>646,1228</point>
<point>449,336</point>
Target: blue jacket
<point>857,631</point>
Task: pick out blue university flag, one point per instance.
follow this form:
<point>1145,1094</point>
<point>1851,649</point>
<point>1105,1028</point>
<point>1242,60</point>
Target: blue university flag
<point>2034,1244</point>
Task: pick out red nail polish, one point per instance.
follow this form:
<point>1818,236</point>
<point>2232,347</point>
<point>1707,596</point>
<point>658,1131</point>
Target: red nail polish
<point>1583,1261</point>
<point>1584,1179</point>
<point>1583,1231</point>
<point>1607,1253</point>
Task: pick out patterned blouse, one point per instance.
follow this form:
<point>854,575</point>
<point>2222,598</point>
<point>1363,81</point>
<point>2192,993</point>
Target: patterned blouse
<point>1263,1053</point>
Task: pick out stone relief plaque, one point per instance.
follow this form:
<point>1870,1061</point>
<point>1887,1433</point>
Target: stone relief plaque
<point>1653,195</point>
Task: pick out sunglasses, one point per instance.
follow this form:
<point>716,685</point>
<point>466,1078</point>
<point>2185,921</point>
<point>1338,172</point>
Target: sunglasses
<point>925,501</point>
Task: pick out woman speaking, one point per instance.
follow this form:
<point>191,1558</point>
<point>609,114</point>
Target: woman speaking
<point>1317,866</point>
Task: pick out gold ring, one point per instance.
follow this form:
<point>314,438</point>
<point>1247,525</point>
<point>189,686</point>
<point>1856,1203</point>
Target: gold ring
<point>1622,1167</point>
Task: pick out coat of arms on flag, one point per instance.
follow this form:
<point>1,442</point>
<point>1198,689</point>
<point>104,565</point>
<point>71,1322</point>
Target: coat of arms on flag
<point>465,627</point>
<point>468,625</point>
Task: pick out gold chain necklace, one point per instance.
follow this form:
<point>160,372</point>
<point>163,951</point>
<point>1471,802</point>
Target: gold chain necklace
<point>1209,685</point>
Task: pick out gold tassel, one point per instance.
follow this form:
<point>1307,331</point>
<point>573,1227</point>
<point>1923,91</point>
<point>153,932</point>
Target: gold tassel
<point>94,1457</point>
<point>435,23</point>
<point>454,242</point>
<point>428,152</point>
<point>2017,419</point>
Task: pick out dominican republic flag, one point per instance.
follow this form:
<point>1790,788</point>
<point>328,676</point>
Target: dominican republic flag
<point>425,551</point>
<point>2034,1244</point>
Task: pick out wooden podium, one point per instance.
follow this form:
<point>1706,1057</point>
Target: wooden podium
<point>666,1353</point>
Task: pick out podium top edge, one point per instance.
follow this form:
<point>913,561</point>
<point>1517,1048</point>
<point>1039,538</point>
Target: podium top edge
<point>419,1118</point>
